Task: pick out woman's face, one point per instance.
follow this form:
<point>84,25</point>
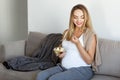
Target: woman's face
<point>78,18</point>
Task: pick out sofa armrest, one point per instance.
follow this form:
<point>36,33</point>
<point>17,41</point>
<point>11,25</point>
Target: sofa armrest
<point>13,49</point>
<point>1,53</point>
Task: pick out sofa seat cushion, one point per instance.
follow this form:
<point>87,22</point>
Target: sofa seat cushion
<point>110,56</point>
<point>6,74</point>
<point>103,77</point>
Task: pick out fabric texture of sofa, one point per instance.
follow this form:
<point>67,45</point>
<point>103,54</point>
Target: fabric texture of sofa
<point>109,51</point>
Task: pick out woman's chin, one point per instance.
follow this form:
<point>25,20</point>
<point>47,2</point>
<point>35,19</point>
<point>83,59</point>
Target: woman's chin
<point>79,26</point>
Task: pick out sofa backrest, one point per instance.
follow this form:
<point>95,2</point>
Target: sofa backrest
<point>110,56</point>
<point>21,47</point>
<point>12,49</point>
<point>33,42</point>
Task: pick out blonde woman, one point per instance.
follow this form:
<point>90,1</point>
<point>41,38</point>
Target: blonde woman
<point>79,43</point>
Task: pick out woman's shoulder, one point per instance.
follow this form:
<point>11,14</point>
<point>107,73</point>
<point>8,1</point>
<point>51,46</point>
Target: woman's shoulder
<point>64,34</point>
<point>89,32</point>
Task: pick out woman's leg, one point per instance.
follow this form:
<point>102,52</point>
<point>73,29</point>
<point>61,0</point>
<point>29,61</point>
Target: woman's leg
<point>82,73</point>
<point>45,74</point>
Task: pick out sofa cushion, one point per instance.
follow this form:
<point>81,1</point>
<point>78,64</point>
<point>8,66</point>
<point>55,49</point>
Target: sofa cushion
<point>33,41</point>
<point>8,74</point>
<point>13,49</point>
<point>110,56</point>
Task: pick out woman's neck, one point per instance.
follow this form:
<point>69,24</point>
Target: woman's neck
<point>78,32</point>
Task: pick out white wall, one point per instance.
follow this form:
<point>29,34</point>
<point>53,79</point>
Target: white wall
<point>13,20</point>
<point>51,16</point>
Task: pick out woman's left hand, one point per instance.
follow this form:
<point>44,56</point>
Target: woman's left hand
<point>61,55</point>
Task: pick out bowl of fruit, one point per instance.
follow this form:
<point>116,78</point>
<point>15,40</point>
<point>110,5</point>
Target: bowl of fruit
<point>58,50</point>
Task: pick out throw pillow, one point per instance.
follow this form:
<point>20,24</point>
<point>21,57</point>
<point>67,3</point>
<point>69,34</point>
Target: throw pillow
<point>33,41</point>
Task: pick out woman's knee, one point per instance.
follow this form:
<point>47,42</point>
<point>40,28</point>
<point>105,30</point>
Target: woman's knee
<point>53,78</point>
<point>56,77</point>
<point>43,75</point>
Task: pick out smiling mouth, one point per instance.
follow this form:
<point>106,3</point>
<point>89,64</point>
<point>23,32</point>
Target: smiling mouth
<point>79,23</point>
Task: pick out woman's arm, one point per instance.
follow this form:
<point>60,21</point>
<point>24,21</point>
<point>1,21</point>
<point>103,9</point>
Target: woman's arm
<point>88,56</point>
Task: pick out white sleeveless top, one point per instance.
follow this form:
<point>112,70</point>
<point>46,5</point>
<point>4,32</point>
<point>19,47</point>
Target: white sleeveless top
<point>72,56</point>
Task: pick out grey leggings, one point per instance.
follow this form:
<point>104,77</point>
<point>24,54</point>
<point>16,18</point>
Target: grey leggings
<point>60,73</point>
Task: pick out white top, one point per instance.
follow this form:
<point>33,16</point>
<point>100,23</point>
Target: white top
<point>72,56</point>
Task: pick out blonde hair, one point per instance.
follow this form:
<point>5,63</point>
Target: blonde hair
<point>87,22</point>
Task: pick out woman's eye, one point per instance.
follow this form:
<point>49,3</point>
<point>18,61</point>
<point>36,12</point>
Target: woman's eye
<point>75,17</point>
<point>82,17</point>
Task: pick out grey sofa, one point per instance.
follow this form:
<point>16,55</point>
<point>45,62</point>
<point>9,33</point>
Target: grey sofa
<point>109,50</point>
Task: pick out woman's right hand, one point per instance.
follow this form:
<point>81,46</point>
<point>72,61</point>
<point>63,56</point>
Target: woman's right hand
<point>74,39</point>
